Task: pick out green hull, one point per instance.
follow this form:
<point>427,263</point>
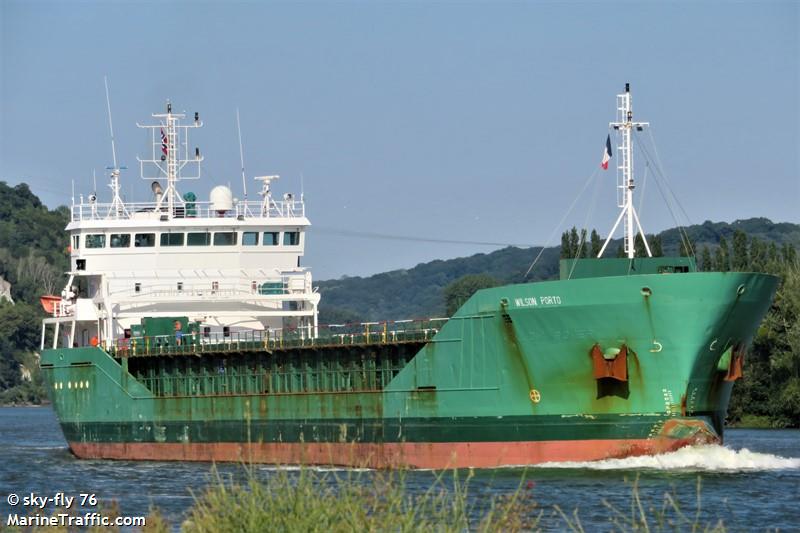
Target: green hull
<point>509,379</point>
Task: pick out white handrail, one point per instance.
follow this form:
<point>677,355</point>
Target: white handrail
<point>191,210</point>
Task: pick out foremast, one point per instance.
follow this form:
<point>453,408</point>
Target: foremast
<point>625,178</point>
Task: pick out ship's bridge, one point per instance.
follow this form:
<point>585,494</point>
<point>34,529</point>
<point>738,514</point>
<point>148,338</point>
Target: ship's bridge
<point>238,266</point>
<point>223,263</point>
<point>198,238</point>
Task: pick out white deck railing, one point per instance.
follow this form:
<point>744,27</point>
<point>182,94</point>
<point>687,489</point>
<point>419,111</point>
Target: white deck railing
<point>227,288</point>
<point>191,210</point>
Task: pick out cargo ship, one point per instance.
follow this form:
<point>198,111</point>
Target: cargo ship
<point>188,330</point>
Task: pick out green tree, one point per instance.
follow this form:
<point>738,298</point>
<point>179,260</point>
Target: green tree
<point>638,247</point>
<point>584,246</point>
<point>566,251</point>
<point>771,385</point>
<point>741,260</point>
<point>722,261</point>
<point>19,334</point>
<point>772,253</point>
<point>789,253</point>
<point>574,242</point>
<point>597,244</point>
<point>758,255</point>
<point>706,264</point>
<point>337,315</point>
<point>462,289</point>
<point>656,246</point>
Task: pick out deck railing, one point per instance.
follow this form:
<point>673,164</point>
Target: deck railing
<point>365,333</point>
<point>246,209</point>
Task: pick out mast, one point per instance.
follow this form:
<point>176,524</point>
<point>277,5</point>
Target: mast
<point>625,178</point>
<point>170,139</point>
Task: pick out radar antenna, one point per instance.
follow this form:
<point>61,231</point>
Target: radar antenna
<point>625,125</point>
<point>266,201</point>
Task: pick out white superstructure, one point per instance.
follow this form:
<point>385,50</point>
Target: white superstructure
<point>224,263</point>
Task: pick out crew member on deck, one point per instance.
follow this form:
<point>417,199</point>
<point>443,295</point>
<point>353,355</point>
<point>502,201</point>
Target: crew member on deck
<point>178,333</point>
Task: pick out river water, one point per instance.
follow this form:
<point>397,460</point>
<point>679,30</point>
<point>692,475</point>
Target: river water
<point>751,484</point>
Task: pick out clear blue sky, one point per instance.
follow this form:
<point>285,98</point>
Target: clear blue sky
<point>458,121</point>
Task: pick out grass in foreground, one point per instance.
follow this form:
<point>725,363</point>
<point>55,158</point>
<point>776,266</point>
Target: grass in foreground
<point>313,501</point>
<point>381,501</point>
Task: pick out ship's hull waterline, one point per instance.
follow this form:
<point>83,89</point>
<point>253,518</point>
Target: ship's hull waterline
<point>511,379</point>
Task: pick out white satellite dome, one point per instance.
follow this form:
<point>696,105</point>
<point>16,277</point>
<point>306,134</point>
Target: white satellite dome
<point>221,198</point>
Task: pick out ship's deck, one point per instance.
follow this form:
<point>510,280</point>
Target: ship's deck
<point>416,332</point>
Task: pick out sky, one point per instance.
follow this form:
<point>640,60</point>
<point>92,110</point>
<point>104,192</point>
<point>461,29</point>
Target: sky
<point>475,122</point>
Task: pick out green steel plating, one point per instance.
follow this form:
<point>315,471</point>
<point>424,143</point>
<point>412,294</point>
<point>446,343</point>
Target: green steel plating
<point>473,381</point>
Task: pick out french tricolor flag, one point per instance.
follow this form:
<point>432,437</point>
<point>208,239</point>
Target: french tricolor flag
<point>606,153</point>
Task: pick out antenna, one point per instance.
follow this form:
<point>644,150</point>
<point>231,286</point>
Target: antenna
<point>302,187</point>
<point>110,124</point>
<point>93,196</point>
<point>117,207</point>
<point>241,153</point>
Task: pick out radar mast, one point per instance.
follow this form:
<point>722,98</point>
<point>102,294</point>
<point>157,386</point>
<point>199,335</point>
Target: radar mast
<point>171,139</point>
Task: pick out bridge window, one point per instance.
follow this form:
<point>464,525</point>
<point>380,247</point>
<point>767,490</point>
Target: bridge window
<point>198,239</point>
<point>291,238</point>
<point>249,238</point>
<point>144,240</point>
<point>172,239</point>
<point>270,238</point>
<point>76,242</point>
<point>226,238</point>
<point>96,240</point>
<point>120,240</point>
